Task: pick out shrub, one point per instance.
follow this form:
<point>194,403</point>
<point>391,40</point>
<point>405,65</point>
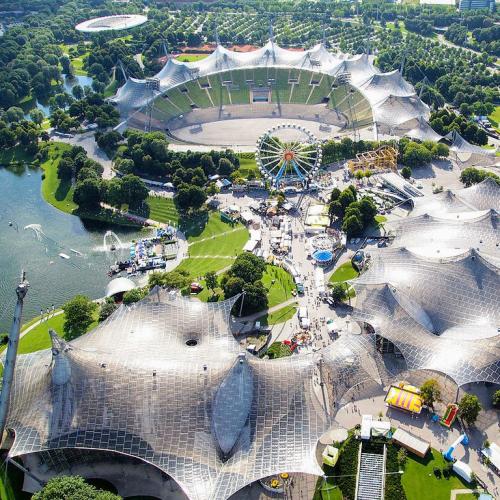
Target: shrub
<point>496,399</point>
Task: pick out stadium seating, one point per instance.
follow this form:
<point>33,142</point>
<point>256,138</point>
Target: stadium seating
<point>288,86</point>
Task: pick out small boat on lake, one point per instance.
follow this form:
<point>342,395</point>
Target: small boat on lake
<point>64,256</point>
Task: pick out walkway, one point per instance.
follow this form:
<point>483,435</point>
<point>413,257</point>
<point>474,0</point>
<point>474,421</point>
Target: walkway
<point>370,485</point>
<point>41,320</point>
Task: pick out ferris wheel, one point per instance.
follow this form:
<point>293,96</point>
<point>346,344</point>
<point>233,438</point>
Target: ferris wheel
<point>288,153</point>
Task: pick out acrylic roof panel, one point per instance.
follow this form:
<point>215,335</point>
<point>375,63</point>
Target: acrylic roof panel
<point>436,237</point>
<point>483,196</point>
<point>395,111</point>
<point>423,132</point>
<point>135,386</point>
<point>442,314</point>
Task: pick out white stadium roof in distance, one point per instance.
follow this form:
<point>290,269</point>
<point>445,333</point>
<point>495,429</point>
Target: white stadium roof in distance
<point>108,23</point>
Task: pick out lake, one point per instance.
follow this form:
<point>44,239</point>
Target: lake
<point>36,249</point>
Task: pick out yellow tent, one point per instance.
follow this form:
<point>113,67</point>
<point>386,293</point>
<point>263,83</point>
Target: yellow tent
<point>404,398</point>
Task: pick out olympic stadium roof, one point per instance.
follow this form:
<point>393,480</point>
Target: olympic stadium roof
<point>482,196</point>
<point>442,314</point>
<point>396,107</point>
<point>164,381</point>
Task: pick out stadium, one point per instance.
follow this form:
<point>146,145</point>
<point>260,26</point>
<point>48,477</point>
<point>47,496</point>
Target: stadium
<point>192,101</point>
<point>109,23</point>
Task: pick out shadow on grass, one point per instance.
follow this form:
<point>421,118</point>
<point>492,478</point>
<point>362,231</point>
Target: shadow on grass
<point>62,190</point>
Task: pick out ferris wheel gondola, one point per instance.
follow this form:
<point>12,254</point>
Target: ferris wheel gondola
<point>288,153</point>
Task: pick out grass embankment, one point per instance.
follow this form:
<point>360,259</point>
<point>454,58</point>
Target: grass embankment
<point>38,338</point>
<point>343,273</point>
<point>162,209</point>
<point>495,118</point>
<point>55,191</point>
<point>213,245</point>
<point>248,165</point>
<point>279,284</point>
<point>419,480</point>
<point>280,316</point>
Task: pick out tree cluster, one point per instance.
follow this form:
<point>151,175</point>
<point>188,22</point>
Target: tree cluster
<point>148,154</point>
<point>471,175</point>
<point>23,133</point>
<point>347,148</point>
<point>444,121</point>
<point>245,275</point>
<point>91,189</point>
<point>74,487</point>
<point>416,154</point>
<point>355,214</point>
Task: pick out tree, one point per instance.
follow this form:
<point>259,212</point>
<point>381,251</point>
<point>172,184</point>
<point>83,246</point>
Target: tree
<point>173,279</point>
<point>416,155</point>
<point>338,292</point>
<point>134,191</point>
<point>108,140</point>
<point>78,315</point>
<point>496,399</point>
<point>190,197</point>
<point>77,91</point>
<point>88,193</point>
<point>248,267</point>
<point>36,116</point>
<point>134,295</point>
<point>225,167</point>
<point>352,226</point>
<point>211,281</point>
<point>207,164</point>
<point>406,172</point>
<point>74,487</point>
<point>14,114</point>
<point>469,408</point>
<point>255,298</point>
<point>430,392</point>
<point>232,286</point>
<point>106,310</point>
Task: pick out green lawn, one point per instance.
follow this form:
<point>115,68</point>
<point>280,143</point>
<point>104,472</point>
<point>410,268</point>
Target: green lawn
<point>281,290</point>
<point>191,57</point>
<point>343,273</point>
<point>217,242</point>
<point>380,219</point>
<point>280,316</point>
<point>162,209</point>
<point>248,165</point>
<point>420,482</point>
<point>54,191</point>
<point>200,267</point>
<point>495,118</point>
<point>224,245</point>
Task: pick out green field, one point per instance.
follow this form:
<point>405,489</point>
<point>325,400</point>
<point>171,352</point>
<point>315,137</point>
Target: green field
<point>420,482</point>
<point>280,316</point>
<point>227,245</point>
<point>162,209</point>
<point>495,118</point>
<point>54,191</point>
<point>191,57</point>
<point>343,273</point>
<point>213,244</point>
<point>281,290</point>
<point>248,165</point>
